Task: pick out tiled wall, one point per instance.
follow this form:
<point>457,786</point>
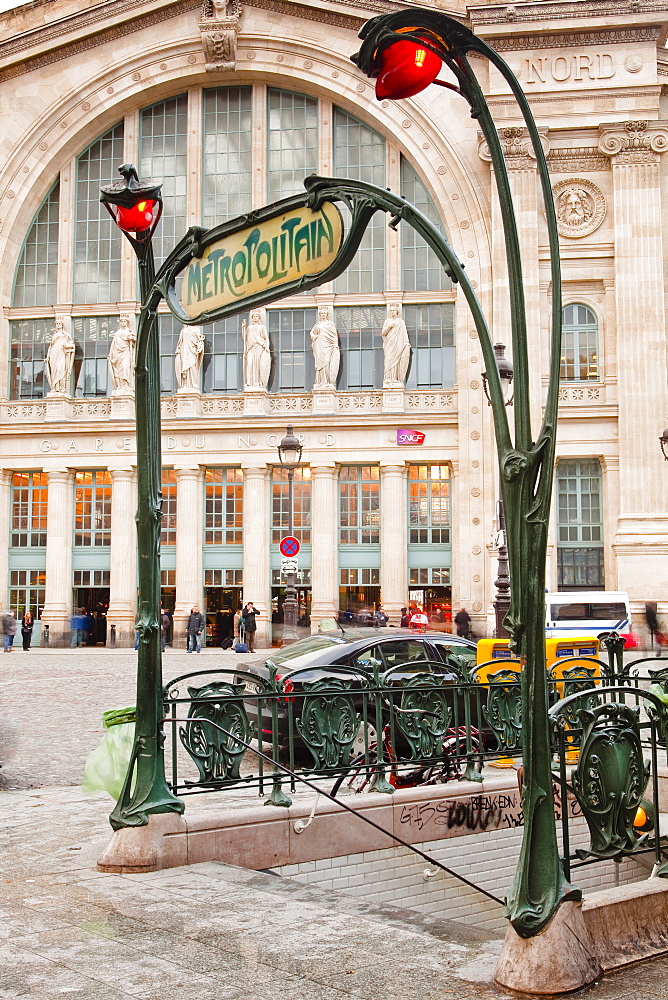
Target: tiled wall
<point>488,859</point>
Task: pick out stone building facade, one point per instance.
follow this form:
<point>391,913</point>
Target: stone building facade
<point>231,105</point>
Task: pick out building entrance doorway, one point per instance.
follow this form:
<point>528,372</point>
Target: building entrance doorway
<point>437,604</point>
<point>358,604</point>
<point>168,602</point>
<point>95,602</point>
<point>303,612</point>
<point>220,606</point>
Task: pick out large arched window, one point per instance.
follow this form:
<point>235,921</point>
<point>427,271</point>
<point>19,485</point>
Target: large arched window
<point>97,243</point>
<point>220,153</point>
<point>420,267</point>
<point>579,344</point>
<point>37,272</point>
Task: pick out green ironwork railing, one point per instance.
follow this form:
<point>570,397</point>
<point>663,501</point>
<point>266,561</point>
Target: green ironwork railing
<point>360,731</point>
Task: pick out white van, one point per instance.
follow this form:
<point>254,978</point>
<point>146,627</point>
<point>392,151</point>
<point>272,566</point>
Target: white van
<point>588,612</point>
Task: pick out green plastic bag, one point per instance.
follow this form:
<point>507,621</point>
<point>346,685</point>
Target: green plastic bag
<point>658,691</point>
<point>107,765</point>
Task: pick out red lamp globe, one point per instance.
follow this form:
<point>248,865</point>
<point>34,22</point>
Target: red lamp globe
<point>406,69</point>
<point>136,219</point>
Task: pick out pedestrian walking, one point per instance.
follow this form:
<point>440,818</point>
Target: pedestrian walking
<point>247,620</point>
<point>418,620</point>
<point>165,622</point>
<point>196,624</point>
<point>9,628</point>
<point>27,625</point>
<point>405,618</point>
<point>380,619</point>
<point>463,623</point>
<point>78,628</point>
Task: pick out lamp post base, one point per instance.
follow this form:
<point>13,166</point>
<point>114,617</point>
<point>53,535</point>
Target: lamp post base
<point>559,959</point>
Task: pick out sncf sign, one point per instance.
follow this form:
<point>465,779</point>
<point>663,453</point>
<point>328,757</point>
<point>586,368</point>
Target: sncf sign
<point>406,436</point>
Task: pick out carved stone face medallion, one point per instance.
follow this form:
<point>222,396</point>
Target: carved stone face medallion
<point>580,207</point>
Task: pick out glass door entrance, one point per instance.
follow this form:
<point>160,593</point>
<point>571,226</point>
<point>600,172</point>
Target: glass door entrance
<point>221,604</point>
<point>303,612</point>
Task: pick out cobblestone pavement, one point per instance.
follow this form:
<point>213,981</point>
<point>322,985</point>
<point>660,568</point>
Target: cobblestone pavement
<point>212,931</point>
<point>200,932</point>
<point>52,704</point>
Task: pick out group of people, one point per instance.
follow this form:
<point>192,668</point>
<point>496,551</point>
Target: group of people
<point>10,628</point>
<point>418,619</point>
<point>245,627</point>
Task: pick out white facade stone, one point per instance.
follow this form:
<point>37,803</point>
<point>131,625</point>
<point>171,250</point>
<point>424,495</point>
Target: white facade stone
<point>597,80</point>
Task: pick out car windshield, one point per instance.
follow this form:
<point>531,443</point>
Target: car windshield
<point>303,651</point>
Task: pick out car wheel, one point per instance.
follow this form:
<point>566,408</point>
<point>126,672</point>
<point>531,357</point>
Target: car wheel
<point>358,746</point>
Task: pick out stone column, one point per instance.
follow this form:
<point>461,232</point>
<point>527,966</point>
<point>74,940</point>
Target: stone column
<point>57,611</point>
<point>123,557</point>
<point>610,506</point>
<point>5,526</point>
<point>393,541</point>
<point>324,539</point>
<point>642,555</point>
<point>257,538</point>
<point>189,582</point>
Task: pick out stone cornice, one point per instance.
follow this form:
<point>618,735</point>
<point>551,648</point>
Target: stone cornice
<point>578,160</point>
<point>549,10</point>
<point>113,20</point>
<point>570,39</point>
<point>634,141</point>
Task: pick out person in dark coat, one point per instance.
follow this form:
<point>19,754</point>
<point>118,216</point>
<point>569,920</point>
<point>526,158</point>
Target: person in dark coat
<point>463,623</point>
<point>196,625</point>
<point>164,627</point>
<point>9,628</point>
<point>26,630</point>
<point>405,618</point>
<point>250,626</point>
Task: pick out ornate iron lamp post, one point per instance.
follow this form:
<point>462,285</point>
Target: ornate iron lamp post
<point>502,582</point>
<point>663,441</point>
<point>290,455</point>
<point>136,209</point>
<point>397,51</point>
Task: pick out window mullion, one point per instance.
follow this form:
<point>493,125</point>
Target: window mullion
<point>194,148</point>
<point>393,242</point>
<point>68,176</point>
<point>129,291</point>
<point>259,146</point>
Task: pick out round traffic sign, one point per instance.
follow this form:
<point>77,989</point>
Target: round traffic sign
<point>289,546</point>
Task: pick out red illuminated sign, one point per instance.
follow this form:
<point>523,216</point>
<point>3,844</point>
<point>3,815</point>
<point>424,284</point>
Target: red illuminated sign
<point>407,436</point>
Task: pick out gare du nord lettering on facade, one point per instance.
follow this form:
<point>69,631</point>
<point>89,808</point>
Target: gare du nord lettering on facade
<point>282,249</point>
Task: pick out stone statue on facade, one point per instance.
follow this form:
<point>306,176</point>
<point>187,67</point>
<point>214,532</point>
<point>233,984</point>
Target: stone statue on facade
<point>122,357</point>
<point>396,349</point>
<point>326,351</point>
<point>257,353</point>
<point>188,358</point>
<point>219,25</point>
<point>59,358</point>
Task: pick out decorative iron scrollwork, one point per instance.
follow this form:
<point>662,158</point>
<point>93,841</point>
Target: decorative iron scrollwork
<point>576,679</point>
<point>328,723</point>
<point>503,710</point>
<point>610,779</point>
<point>217,755</point>
<point>423,716</point>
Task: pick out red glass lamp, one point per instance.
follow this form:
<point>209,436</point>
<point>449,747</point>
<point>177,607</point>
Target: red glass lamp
<point>134,207</point>
<point>406,69</point>
<point>138,218</point>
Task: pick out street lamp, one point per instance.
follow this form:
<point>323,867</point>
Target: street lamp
<point>290,455</point>
<point>396,51</point>
<point>663,441</point>
<point>502,582</point>
<point>136,209</point>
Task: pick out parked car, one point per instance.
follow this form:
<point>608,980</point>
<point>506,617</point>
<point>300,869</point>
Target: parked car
<point>337,656</point>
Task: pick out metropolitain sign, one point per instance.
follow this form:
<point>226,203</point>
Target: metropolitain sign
<point>271,253</point>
